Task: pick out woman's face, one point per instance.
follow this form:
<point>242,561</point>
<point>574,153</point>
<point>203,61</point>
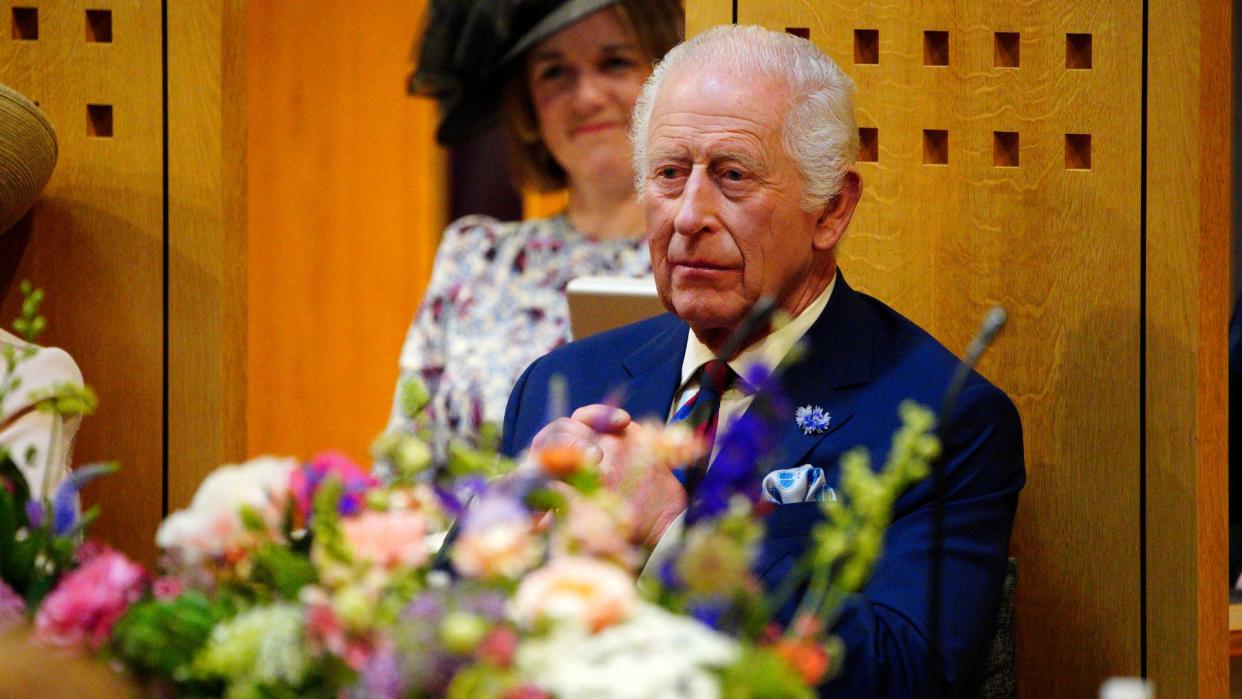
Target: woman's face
<point>583,82</point>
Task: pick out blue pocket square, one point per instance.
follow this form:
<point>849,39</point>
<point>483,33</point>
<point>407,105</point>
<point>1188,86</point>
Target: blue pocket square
<point>802,484</point>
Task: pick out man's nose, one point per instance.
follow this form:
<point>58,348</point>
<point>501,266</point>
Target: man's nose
<point>696,212</point>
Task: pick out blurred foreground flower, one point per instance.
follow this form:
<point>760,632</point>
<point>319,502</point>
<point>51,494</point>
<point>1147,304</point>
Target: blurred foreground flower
<point>653,655</point>
<point>236,507</point>
<point>82,609</point>
<point>583,591</point>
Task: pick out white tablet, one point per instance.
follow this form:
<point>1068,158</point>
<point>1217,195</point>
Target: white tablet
<point>597,304</point>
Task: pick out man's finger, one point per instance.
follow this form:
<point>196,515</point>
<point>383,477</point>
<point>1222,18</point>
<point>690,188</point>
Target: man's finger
<point>565,432</point>
<point>604,419</point>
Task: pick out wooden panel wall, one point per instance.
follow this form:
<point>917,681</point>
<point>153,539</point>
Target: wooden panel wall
<point>95,239</point>
<point>346,205</point>
<point>207,243</point>
<point>1188,300</point>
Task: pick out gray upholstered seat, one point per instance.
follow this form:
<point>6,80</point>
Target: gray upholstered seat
<point>998,672</point>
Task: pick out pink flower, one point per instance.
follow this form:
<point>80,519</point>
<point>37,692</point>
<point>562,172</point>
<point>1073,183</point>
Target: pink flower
<point>388,539</point>
<point>166,587</point>
<point>12,608</point>
<point>83,607</point>
<point>304,482</point>
<point>497,539</point>
<point>573,588</point>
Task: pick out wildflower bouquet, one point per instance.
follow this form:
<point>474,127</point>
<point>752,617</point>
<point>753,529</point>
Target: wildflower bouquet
<point>284,578</point>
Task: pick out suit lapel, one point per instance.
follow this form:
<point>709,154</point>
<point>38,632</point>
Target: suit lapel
<point>838,354</point>
<point>655,372</point>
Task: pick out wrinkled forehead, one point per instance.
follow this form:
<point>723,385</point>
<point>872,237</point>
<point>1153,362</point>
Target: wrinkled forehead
<point>716,104</point>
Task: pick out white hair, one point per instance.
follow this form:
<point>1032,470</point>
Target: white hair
<point>819,133</point>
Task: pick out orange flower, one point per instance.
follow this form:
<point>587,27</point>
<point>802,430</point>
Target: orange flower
<point>810,660</point>
<point>560,460</point>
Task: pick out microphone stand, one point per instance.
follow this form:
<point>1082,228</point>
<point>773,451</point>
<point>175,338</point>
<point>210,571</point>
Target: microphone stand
<point>993,321</point>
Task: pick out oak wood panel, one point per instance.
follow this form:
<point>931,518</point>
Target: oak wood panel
<point>1058,248</point>
<point>705,14</point>
<point>1188,281</point>
<point>345,208</point>
<point>206,238</point>
<point>95,241</point>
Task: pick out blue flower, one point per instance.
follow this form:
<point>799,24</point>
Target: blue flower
<point>65,499</point>
<point>812,419</point>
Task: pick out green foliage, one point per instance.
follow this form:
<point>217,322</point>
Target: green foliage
<point>282,570</point>
<point>30,324</point>
<point>160,638</point>
<point>759,673</point>
<point>326,528</point>
<point>481,681</point>
<point>413,397</point>
<point>67,399</point>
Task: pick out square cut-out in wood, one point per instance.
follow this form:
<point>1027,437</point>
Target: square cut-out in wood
<point>25,23</point>
<point>935,48</point>
<point>1008,50</point>
<point>1078,51</point>
<point>867,46</point>
<point>804,32</point>
<point>1005,149</point>
<point>935,147</point>
<point>99,26</point>
<point>1077,151</point>
<point>868,145</point>
<point>99,120</point>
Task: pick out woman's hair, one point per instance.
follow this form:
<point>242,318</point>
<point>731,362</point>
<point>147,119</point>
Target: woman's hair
<point>657,26</point>
<point>820,133</point>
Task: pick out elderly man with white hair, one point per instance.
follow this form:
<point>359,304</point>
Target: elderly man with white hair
<point>744,145</point>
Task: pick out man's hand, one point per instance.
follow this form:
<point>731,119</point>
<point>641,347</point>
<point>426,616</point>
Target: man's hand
<point>605,435</point>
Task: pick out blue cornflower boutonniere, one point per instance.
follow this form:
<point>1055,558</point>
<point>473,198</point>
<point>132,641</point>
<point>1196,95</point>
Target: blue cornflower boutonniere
<point>812,419</point>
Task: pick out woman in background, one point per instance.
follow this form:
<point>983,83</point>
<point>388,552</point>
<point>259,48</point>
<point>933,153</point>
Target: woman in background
<point>569,73</point>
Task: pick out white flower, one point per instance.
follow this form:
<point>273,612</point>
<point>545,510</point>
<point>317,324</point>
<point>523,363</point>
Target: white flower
<point>260,646</point>
<point>213,522</point>
<point>653,655</point>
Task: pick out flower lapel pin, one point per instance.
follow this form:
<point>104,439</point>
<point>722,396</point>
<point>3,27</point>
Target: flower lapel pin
<point>812,419</point>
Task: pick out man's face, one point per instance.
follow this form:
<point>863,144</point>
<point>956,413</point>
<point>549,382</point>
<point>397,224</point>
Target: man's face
<point>722,201</point>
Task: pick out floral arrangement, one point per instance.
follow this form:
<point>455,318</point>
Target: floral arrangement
<point>284,578</point>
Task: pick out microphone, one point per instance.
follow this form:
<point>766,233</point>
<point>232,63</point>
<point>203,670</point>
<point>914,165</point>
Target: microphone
<point>993,322</point>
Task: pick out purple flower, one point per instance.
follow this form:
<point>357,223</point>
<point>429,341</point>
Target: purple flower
<point>35,513</point>
<point>745,447</point>
<point>709,612</point>
<point>304,482</point>
<point>382,677</point>
<point>65,499</point>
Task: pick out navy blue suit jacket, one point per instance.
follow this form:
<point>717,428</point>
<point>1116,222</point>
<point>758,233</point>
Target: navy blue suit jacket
<point>863,359</point>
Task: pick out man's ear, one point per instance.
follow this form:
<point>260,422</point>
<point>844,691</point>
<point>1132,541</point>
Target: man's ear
<point>837,213</point>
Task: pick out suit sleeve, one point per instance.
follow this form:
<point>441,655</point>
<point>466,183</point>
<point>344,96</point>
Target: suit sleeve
<point>512,443</point>
<point>885,628</point>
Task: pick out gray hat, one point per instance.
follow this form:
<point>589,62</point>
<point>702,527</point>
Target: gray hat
<point>467,44</point>
<point>27,155</point>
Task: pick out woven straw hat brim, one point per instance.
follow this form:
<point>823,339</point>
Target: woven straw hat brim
<point>27,155</point>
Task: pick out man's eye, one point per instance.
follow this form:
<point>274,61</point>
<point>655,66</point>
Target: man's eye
<point>666,173</point>
<point>733,175</point>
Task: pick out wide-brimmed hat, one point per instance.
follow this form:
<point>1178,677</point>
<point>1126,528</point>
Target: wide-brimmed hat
<point>466,46</point>
<point>27,155</point>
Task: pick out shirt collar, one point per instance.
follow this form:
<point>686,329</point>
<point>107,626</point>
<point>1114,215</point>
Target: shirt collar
<point>769,351</point>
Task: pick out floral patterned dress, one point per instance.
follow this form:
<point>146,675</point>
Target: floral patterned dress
<point>495,303</point>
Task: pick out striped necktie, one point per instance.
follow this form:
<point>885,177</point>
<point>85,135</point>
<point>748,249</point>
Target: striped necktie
<point>702,413</point>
